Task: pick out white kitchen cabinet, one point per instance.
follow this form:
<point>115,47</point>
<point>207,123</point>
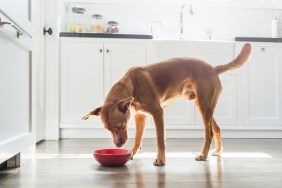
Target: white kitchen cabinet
<point>89,68</point>
<point>119,58</point>
<point>81,80</point>
<point>16,97</point>
<point>262,86</point>
<point>249,105</point>
<point>182,114</point>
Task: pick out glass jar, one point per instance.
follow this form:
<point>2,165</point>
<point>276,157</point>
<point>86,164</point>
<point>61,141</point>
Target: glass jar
<point>112,27</point>
<point>97,25</point>
<point>77,24</point>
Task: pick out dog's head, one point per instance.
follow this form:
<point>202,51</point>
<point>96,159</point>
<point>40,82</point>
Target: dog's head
<point>114,116</point>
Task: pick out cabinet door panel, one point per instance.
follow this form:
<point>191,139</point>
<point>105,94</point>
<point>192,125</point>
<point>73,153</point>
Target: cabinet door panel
<point>180,112</point>
<point>262,87</point>
<point>15,90</point>
<point>119,57</point>
<point>81,80</point>
<point>17,78</point>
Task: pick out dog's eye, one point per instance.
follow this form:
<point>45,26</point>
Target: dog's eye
<point>122,109</point>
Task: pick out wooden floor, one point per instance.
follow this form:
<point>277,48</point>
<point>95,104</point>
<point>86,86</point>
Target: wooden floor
<point>68,163</point>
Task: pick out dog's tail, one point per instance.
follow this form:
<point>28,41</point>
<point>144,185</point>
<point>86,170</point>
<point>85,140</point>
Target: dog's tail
<point>237,62</point>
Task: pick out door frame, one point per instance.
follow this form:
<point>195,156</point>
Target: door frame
<point>52,69</point>
<point>38,20</point>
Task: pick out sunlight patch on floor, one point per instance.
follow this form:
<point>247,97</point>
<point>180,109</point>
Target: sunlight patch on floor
<point>192,155</point>
<point>154,154</point>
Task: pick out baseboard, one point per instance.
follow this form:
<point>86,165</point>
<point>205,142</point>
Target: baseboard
<point>171,133</point>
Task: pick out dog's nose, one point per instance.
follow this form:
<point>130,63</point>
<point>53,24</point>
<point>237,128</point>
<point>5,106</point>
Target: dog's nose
<point>119,143</point>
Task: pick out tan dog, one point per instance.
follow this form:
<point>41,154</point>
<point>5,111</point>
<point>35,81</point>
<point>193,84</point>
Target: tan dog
<point>147,90</point>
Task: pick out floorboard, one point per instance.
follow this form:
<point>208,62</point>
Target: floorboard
<point>69,163</point>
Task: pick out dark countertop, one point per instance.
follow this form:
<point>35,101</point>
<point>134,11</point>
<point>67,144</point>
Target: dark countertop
<point>258,39</point>
<point>106,35</point>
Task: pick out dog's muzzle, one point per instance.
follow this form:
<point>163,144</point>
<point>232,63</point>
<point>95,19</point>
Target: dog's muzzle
<point>119,143</point>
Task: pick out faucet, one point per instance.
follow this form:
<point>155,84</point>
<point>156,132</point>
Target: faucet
<point>154,23</point>
<point>191,13</point>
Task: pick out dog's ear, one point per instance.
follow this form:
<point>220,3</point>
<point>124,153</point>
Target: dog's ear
<point>95,112</point>
<point>124,104</point>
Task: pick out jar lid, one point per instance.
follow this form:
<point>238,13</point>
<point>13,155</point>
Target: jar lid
<point>97,16</point>
<point>78,10</point>
<point>112,23</point>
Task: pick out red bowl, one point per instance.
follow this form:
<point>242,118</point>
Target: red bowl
<point>112,157</point>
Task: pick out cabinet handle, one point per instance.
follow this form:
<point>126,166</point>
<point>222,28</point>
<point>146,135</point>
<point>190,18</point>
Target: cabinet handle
<point>108,50</point>
<point>262,49</point>
<point>2,23</point>
<point>100,50</point>
<point>49,31</point>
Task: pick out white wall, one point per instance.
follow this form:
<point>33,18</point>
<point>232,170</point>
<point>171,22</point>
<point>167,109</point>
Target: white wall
<point>225,19</point>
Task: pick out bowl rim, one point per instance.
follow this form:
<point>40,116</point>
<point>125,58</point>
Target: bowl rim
<point>129,152</point>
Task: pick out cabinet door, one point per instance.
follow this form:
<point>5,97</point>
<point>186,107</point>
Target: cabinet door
<point>16,101</point>
<point>119,57</point>
<point>262,86</point>
<point>180,113</point>
<point>81,80</point>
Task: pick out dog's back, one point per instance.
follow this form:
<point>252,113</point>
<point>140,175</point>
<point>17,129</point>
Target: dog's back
<point>183,77</point>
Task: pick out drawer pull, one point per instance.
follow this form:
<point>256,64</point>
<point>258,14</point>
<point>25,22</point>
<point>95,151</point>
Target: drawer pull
<point>262,49</point>
<point>4,23</point>
<point>19,32</point>
<point>108,50</point>
<point>100,50</point>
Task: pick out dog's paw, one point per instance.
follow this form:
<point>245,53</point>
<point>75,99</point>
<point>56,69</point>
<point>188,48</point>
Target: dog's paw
<point>215,153</point>
<point>200,157</point>
<point>159,162</point>
<point>135,149</point>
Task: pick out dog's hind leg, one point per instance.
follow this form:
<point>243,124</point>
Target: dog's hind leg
<point>207,115</point>
<point>206,103</point>
<point>140,122</point>
<point>217,138</point>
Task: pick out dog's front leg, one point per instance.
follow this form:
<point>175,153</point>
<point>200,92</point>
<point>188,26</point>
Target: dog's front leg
<point>140,122</point>
<point>159,124</point>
